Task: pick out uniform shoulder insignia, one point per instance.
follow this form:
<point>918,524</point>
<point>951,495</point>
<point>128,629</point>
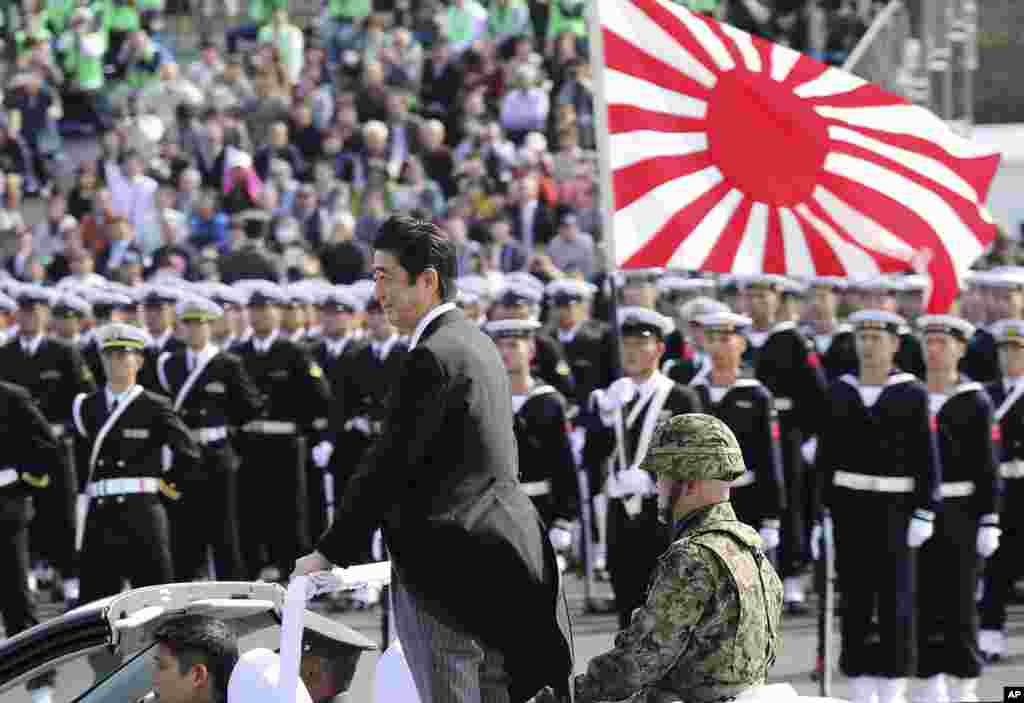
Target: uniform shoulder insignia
<point>562,369</point>
<point>36,481</point>
<point>87,373</point>
<point>315,371</point>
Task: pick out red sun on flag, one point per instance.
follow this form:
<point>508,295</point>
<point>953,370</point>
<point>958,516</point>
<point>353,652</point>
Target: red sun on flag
<point>728,153</point>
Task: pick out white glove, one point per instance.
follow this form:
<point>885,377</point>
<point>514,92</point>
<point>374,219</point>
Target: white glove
<point>769,536</point>
<point>633,481</point>
<point>988,538</point>
<point>817,534</point>
<point>809,449</point>
<point>71,588</point>
<point>561,539</point>
<point>922,525</point>
<point>322,454</point>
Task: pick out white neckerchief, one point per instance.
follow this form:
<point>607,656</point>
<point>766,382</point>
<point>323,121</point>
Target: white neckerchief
<point>937,400</point>
<point>263,345</point>
<point>656,390</point>
<point>758,338</point>
<point>431,315</point>
<point>869,394</point>
<point>716,393</point>
<point>1010,382</point>
<point>336,345</point>
<point>113,399</point>
<point>535,389</point>
<point>381,350</point>
<point>31,346</point>
<point>566,337</point>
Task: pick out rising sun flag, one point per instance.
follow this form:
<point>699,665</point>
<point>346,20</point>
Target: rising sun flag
<point>728,153</point>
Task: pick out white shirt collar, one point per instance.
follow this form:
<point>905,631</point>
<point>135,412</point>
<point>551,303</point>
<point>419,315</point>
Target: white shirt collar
<point>648,387</point>
<point>112,397</point>
<point>161,341</point>
<point>208,352</point>
<point>566,336</point>
<point>263,345</point>
<point>32,345</point>
<point>431,315</point>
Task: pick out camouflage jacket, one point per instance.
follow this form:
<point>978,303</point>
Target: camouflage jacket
<point>709,629</point>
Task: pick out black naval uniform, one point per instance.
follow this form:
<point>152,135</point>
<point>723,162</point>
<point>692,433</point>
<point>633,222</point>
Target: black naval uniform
<point>837,351</point>
<point>53,376</point>
<point>547,469</point>
<point>635,542</point>
<point>790,369</point>
<point>875,466</point>
<point>210,398</point>
<point>126,529</point>
<point>947,625</point>
<point>273,496</point>
<point>1005,566</point>
<point>981,361</point>
<point>167,344</point>
<point>910,355</point>
<point>550,365</point>
<point>747,409</point>
<point>30,461</point>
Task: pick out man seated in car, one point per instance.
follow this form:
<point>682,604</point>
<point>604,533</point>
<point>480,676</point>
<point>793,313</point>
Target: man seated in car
<point>193,660</point>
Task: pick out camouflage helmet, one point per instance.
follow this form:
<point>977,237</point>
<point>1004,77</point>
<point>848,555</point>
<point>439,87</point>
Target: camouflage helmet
<point>694,447</point>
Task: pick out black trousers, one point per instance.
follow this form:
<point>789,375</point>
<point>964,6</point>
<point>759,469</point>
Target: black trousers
<point>272,502</point>
<point>16,604</point>
<point>876,570</point>
<point>207,516</point>
<point>793,552</point>
<point>126,537</point>
<point>51,534</point>
<point>947,618</point>
<point>1005,566</point>
<point>634,545</point>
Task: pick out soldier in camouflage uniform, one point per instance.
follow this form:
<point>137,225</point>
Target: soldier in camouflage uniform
<point>709,628</point>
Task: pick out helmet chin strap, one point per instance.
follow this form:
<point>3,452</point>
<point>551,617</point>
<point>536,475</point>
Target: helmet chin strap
<point>667,504</point>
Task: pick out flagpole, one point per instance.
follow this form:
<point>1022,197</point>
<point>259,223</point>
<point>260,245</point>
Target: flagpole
<point>607,200</point>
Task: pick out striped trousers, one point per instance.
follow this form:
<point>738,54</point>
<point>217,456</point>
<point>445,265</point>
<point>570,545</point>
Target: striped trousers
<point>447,665</point>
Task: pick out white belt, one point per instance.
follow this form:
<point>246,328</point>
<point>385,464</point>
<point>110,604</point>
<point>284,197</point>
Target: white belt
<point>271,427</point>
<point>58,430</point>
<point>209,435</point>
<point>957,489</point>
<point>746,479</point>
<point>878,484</point>
<point>8,476</point>
<point>536,488</point>
<point>783,404</point>
<point>1012,469</point>
<point>123,486</point>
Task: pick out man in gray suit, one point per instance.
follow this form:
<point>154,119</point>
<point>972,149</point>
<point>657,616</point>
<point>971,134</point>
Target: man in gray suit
<point>477,604</point>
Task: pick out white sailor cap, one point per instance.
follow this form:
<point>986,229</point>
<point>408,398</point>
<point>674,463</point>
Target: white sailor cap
<point>833,282</point>
<point>675,283</point>
<point>103,301</point>
<point>7,304</point>
<point>158,295</point>
<point>794,288</point>
<point>880,284</point>
<point>517,292</point>
<point>524,278</point>
<point>771,281</point>
<point>264,293</point>
<point>635,320</point>
<point>878,320</point>
<point>724,322</point>
<point>221,293</point>
<point>476,286</point>
<point>569,290</point>
<point>198,308</point>
<point>946,324</point>
<point>915,283</point>
<point>511,328</point>
<point>1008,332</point>
<point>340,299</point>
<point>298,294</point>
<point>30,293</point>
<point>256,678</point>
<point>121,335</point>
<point>702,305</point>
<point>69,304</point>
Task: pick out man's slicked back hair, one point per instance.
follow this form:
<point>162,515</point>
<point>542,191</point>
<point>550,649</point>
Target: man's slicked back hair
<point>419,245</point>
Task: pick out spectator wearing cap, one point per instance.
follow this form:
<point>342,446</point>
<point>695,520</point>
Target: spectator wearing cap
<point>877,456</point>
<point>571,250</point>
<point>1001,569</point>
<point>53,373</point>
<point>634,540</point>
<point>211,392</point>
<point>251,259</point>
<point>344,260</point>
<point>967,529</point>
